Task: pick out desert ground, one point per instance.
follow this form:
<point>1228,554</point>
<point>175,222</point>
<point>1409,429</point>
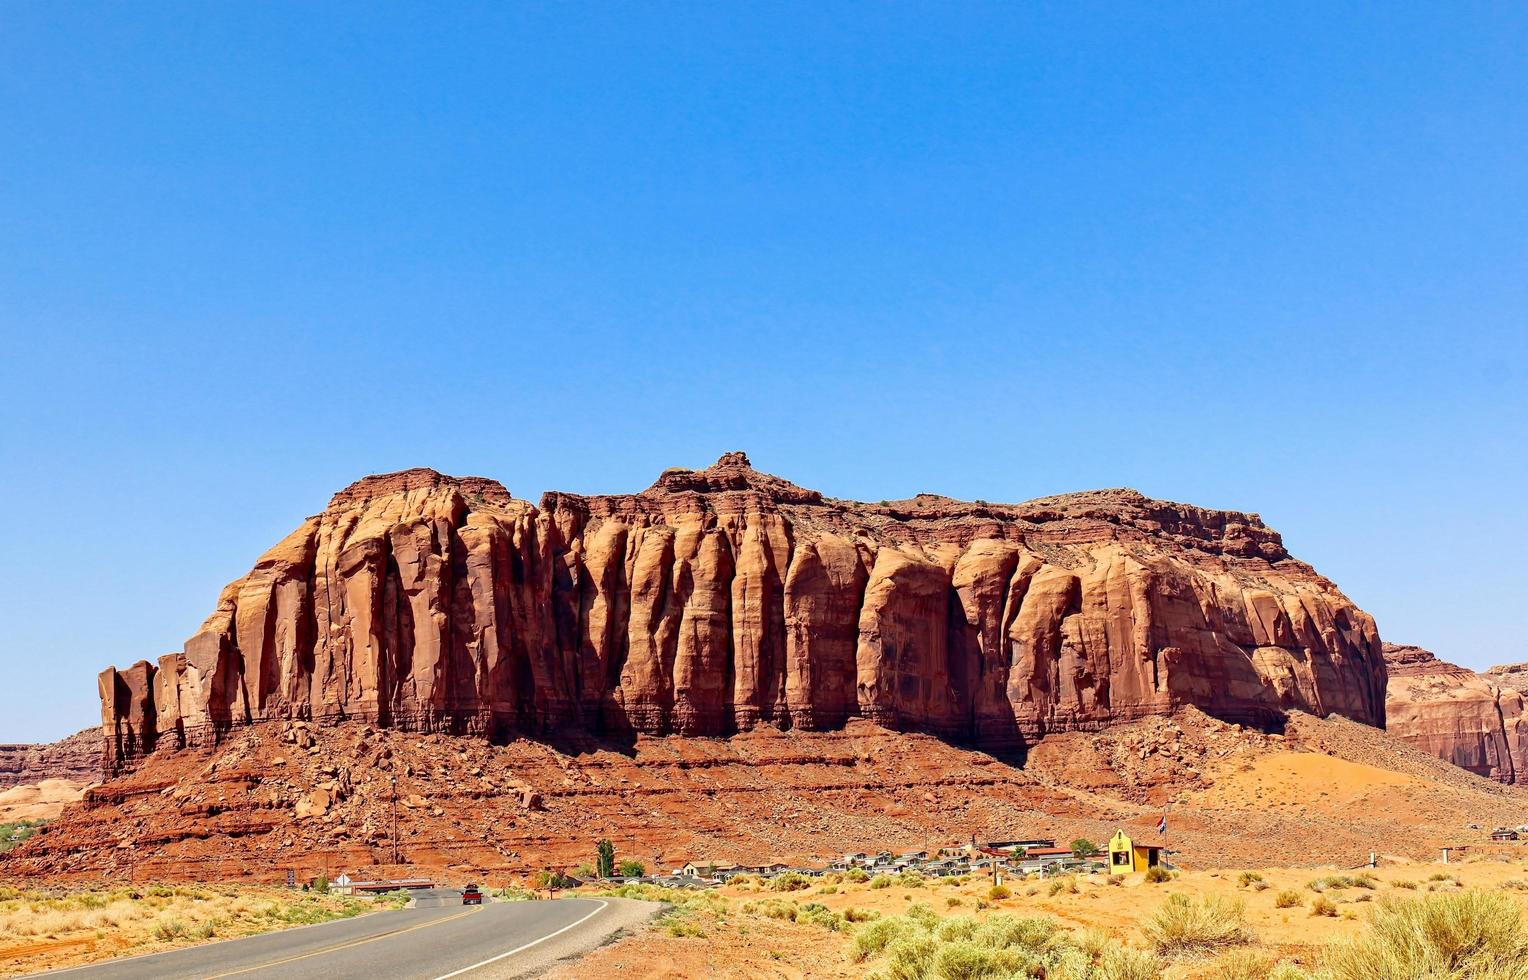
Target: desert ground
<point>748,930</point>
<point>50,928</point>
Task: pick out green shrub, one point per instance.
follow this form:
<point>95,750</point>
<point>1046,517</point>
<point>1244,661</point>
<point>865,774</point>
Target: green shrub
<point>1470,934</point>
<point>167,929</point>
<point>1009,932</point>
<point>1184,927</point>
<point>685,930</point>
<point>923,915</point>
<point>1288,899</point>
<point>875,937</point>
<point>817,914</point>
<point>1158,874</point>
<point>791,881</point>
<point>856,875</point>
<point>1124,963</point>
<point>910,879</point>
<point>956,928</point>
<point>1248,877</point>
<point>632,869</point>
<point>998,892</point>
<point>962,960</point>
<point>911,957</point>
<point>881,881</point>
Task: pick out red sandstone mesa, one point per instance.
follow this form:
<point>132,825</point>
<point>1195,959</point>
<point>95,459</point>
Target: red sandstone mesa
<point>721,599</point>
<point>1476,721</point>
<point>76,758</point>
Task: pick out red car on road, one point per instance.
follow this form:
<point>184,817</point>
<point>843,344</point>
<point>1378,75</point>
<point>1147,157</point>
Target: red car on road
<point>471,895</point>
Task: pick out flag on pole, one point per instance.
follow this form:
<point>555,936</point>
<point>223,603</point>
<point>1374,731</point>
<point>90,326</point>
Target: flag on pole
<point>1162,824</point>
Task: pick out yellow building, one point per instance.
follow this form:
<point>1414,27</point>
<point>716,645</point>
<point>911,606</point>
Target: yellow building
<point>1125,855</point>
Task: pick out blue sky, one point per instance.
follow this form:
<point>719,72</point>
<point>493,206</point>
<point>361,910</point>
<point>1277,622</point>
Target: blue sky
<point>1274,260</point>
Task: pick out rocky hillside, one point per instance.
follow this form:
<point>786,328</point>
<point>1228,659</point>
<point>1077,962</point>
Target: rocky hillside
<point>1476,721</point>
<point>76,759</point>
<point>316,799</point>
<point>723,599</point>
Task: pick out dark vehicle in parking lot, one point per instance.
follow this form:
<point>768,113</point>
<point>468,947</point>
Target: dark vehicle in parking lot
<point>471,895</point>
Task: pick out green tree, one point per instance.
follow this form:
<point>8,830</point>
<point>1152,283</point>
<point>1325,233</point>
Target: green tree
<point>604,861</point>
<point>1082,847</point>
<point>632,869</point>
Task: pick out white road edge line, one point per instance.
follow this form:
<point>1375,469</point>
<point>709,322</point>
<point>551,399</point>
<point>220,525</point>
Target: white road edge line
<point>521,949</point>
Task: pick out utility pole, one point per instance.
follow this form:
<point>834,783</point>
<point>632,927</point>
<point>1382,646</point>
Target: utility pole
<point>394,781</point>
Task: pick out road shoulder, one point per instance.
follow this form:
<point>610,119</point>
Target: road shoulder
<point>619,916</point>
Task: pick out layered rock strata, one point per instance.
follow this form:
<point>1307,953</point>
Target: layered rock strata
<point>723,599</point>
<point>1476,721</point>
<point>76,759</point>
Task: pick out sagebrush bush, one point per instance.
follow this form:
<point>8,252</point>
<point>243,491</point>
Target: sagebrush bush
<point>1287,899</point>
<point>1243,964</point>
<point>1323,906</point>
<point>1470,934</point>
<point>1124,963</point>
<point>881,881</point>
<point>167,929</point>
<point>998,892</point>
<point>1158,874</point>
<point>1184,927</point>
<point>920,946</point>
<point>875,937</point>
<point>1248,877</point>
<point>791,881</point>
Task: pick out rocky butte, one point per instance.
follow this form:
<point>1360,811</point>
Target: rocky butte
<point>722,599</point>
<point>1476,721</point>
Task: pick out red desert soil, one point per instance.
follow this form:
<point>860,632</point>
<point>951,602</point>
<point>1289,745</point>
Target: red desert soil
<point>318,800</point>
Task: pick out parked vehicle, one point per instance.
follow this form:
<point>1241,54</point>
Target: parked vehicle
<point>471,895</point>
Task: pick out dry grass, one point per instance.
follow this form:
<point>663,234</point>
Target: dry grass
<point>157,916</point>
<point>1185,927</point>
<point>1457,936</point>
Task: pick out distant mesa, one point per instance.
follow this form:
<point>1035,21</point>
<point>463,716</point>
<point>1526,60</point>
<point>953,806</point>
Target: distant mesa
<point>1476,721</point>
<point>723,599</point>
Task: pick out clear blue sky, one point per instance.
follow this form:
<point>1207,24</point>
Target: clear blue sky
<point>1275,260</point>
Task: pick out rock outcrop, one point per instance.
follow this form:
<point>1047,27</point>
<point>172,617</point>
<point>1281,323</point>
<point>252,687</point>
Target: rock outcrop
<point>722,599</point>
<point>1476,721</point>
<point>76,759</point>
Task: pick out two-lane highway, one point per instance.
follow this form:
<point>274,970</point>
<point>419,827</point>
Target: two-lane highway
<point>431,943</point>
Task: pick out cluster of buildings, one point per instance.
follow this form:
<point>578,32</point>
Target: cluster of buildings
<point>1001,858</point>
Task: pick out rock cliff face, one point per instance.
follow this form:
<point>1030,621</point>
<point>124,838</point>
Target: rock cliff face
<point>76,758</point>
<point>1476,721</point>
<point>722,599</point>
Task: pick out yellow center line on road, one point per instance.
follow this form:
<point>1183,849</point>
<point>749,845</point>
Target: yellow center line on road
<point>335,949</point>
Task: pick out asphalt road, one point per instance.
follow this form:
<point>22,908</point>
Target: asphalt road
<point>429,943</point>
